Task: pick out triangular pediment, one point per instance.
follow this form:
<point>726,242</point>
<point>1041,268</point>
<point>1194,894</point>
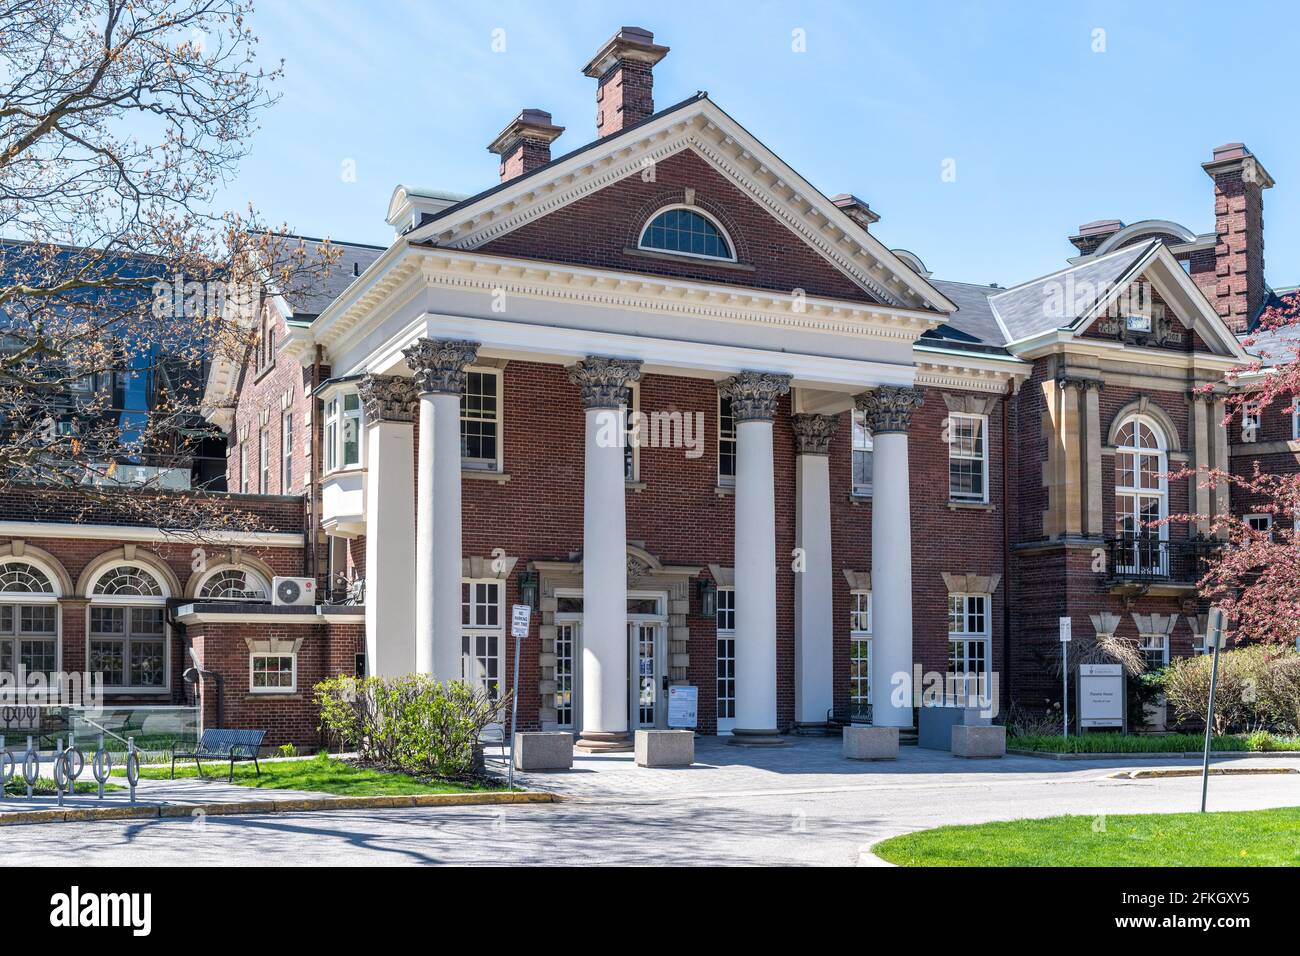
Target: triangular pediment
<point>602,192</point>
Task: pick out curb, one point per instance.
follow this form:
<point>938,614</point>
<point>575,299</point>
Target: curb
<point>1162,772</point>
<point>1156,755</point>
<point>156,811</point>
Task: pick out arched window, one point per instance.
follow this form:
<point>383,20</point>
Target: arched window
<point>1141,496</point>
<point>127,643</point>
<point>29,621</point>
<point>234,584</point>
<point>686,231</point>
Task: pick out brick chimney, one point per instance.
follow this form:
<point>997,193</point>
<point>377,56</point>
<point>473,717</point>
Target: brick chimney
<point>1093,234</point>
<point>624,74</point>
<point>1236,288</point>
<point>856,209</point>
<point>525,143</point>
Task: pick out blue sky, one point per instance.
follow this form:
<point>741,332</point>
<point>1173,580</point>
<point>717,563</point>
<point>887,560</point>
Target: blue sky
<point>1045,133</point>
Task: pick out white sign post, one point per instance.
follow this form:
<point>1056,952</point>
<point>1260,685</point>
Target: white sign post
<point>1214,628</point>
<point>1065,674</point>
<point>1100,700</point>
<point>519,618</point>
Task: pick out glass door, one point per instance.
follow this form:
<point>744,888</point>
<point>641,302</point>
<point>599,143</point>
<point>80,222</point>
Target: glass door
<point>644,657</point>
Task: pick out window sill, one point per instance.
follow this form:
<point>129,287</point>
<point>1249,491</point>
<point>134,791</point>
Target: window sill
<point>480,474</point>
<point>857,498</point>
<point>688,260</point>
<point>273,695</point>
<point>971,506</point>
<point>343,472</point>
<point>724,491</point>
<point>634,485</point>
<point>264,373</point>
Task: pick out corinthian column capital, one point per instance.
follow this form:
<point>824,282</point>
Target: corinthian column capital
<point>812,433</point>
<point>754,395</point>
<point>888,408</point>
<point>439,364</point>
<point>604,380</point>
<point>388,398</point>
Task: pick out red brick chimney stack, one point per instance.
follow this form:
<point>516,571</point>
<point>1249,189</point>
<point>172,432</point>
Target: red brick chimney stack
<point>624,74</point>
<point>1237,288</point>
<point>525,143</point>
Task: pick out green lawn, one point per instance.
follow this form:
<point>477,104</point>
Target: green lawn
<point>321,774</point>
<point>45,788</point>
<point>1136,743</point>
<point>1250,838</point>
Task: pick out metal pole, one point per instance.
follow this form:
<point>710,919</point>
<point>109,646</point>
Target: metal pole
<point>514,715</point>
<point>1065,687</point>
<point>1209,727</point>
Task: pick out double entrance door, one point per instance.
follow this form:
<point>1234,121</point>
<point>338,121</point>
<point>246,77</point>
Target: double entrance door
<point>647,657</point>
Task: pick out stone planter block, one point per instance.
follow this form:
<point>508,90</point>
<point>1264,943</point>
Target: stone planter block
<point>544,750</point>
<point>968,741</point>
<point>871,743</point>
<point>665,748</point>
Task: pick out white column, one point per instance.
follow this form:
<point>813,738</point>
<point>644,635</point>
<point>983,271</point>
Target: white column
<point>389,404</point>
<point>605,676</point>
<point>888,413</point>
<point>814,630</point>
<point>753,404</point>
<point>440,377</point>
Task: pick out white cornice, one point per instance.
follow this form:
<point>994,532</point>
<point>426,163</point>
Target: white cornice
<point>189,616</point>
<point>113,532</point>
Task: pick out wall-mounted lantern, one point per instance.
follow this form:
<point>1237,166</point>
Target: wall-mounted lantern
<point>528,587</point>
<point>708,597</point>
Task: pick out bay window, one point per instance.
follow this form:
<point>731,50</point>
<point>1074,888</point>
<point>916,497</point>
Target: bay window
<point>343,431</point>
<point>862,454</point>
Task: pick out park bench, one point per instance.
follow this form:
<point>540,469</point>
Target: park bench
<point>229,745</point>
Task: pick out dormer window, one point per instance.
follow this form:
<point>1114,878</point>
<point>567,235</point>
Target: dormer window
<point>686,231</point>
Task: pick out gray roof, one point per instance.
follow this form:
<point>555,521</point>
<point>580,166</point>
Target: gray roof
<point>316,285</point>
<point>1031,309</point>
<point>974,321</point>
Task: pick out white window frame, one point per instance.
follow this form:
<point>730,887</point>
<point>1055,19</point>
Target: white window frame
<point>861,441</point>
<point>19,599</point>
<point>726,236</point>
<point>473,630</point>
<point>968,635</point>
<point>1252,415</point>
<point>726,613</point>
<point>1257,518</point>
<point>1134,493</point>
<point>1295,421</point>
<point>264,460</point>
<point>633,433</point>
<point>496,465</point>
<point>859,635</point>
<point>252,659</point>
<point>249,573</point>
<point>131,601</point>
<point>1160,642</point>
<point>982,422</point>
<point>286,452</point>
<point>243,467</point>
<point>338,418</point>
<point>727,481</point>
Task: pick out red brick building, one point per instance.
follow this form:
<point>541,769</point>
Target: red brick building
<point>718,435</point>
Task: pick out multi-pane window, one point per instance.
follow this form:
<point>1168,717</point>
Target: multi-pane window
<point>1261,523</point>
<point>726,654</point>
<point>632,434</point>
<point>264,461</point>
<point>286,453</point>
<point>862,451</point>
<point>234,584</point>
<point>128,629</point>
<point>127,646</point>
<point>243,467</point>
<point>968,645</point>
<point>968,463</point>
<point>726,442</point>
<point>1154,649</point>
<point>480,420</point>
<point>27,639</point>
<point>565,635</point>
<point>687,232</point>
<point>860,654</point>
<point>270,673</point>
<point>343,431</point>
<point>1250,420</point>
<point>1140,496</point>
<point>482,635</point>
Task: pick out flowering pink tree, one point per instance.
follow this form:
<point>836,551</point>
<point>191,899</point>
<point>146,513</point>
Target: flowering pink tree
<point>1256,577</point>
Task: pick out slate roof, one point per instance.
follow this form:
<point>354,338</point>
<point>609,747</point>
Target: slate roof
<point>1023,309</point>
<point>1276,346</point>
<point>975,322</point>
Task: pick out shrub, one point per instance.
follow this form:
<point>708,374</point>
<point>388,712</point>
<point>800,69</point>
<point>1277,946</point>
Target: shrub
<point>1250,694</point>
<point>287,750</point>
<point>414,723</point>
<point>1259,741</point>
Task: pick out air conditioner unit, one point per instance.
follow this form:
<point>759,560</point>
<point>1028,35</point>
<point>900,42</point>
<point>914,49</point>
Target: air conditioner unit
<point>293,591</point>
